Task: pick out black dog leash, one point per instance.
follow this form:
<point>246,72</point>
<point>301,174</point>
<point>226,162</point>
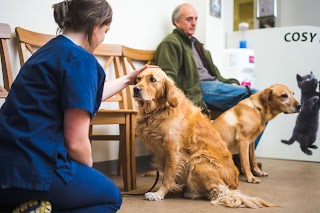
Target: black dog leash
<point>155,183</point>
<point>249,90</point>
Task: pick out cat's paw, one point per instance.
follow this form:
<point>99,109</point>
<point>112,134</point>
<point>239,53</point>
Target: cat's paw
<point>307,151</point>
<point>313,146</point>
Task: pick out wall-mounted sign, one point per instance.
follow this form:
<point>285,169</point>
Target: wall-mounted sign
<point>215,8</point>
<point>266,8</point>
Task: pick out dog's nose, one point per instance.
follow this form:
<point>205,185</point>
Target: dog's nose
<point>298,107</point>
<point>137,90</point>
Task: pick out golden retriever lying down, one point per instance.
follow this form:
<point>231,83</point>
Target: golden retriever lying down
<point>186,147</point>
<point>240,125</point>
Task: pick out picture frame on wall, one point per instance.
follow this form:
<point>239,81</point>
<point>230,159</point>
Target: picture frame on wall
<point>266,8</point>
<point>215,8</point>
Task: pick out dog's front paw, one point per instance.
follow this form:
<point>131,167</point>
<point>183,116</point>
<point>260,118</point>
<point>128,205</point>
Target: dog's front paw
<point>153,196</point>
<point>259,173</point>
<point>253,179</point>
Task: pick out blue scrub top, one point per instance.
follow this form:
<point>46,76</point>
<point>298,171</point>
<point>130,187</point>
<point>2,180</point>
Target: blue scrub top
<point>59,76</point>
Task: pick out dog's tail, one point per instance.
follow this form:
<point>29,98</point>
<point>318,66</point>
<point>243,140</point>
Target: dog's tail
<point>235,199</point>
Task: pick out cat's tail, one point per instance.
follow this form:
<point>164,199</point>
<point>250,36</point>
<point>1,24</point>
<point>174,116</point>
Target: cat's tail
<point>235,199</point>
<point>289,142</point>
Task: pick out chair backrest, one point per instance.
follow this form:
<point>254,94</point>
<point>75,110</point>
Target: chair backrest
<point>109,56</point>
<point>29,42</point>
<point>131,59</point>
<point>5,31</point>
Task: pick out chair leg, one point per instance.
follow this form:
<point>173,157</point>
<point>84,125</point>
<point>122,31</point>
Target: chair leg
<point>133,151</point>
<point>125,154</point>
<point>119,161</point>
<point>90,132</point>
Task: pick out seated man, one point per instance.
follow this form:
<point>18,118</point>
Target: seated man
<point>184,59</point>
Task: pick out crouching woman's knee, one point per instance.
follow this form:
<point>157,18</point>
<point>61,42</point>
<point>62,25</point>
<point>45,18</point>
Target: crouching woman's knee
<point>113,198</point>
<point>118,200</point>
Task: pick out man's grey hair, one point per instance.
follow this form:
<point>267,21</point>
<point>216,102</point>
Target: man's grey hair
<point>177,13</point>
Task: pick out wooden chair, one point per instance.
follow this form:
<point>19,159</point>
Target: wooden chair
<point>29,42</point>
<point>132,59</point>
<point>5,31</point>
<point>110,54</point>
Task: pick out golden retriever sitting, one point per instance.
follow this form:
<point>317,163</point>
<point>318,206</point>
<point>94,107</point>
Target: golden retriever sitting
<point>240,125</point>
<point>186,148</point>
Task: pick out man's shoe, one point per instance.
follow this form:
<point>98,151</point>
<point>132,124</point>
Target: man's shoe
<point>34,206</point>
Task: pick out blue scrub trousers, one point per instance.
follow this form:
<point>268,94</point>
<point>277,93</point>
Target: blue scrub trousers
<point>224,96</point>
<point>89,191</point>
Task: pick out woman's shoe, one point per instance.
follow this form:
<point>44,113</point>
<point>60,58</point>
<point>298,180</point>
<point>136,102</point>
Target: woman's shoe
<point>34,206</point>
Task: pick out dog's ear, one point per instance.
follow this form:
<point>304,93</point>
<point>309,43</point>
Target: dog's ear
<point>171,93</point>
<point>266,96</point>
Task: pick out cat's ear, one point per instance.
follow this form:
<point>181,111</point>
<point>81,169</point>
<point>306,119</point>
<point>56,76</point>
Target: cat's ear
<point>299,78</point>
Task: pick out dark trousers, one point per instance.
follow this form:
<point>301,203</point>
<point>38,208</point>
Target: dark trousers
<point>88,191</point>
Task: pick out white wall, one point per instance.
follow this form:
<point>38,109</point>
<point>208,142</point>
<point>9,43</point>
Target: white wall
<point>215,29</point>
<point>297,12</point>
<point>139,24</point>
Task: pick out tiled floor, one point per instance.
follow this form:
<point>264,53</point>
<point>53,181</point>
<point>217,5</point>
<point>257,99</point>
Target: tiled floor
<point>294,185</point>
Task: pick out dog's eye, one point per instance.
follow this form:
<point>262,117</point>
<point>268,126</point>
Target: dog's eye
<point>138,79</point>
<point>152,79</point>
<point>284,96</point>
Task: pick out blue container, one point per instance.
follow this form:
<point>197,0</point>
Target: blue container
<point>243,44</point>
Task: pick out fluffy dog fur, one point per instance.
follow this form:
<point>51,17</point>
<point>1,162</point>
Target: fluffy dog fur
<point>186,148</point>
<point>240,126</point>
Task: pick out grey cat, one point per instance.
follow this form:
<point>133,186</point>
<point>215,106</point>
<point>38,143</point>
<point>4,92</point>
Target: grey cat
<point>305,130</point>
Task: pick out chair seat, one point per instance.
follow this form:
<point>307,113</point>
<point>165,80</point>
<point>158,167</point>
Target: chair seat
<point>114,116</point>
<point>118,111</point>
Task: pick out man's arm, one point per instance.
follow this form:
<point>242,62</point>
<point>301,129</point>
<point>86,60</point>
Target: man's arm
<point>168,58</point>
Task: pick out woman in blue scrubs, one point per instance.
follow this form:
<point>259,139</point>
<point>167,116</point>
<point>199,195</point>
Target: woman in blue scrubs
<point>45,152</point>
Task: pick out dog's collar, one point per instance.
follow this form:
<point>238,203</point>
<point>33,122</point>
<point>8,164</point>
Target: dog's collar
<point>254,104</point>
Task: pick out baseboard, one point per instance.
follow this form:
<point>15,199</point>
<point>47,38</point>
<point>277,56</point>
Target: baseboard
<point>111,166</point>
